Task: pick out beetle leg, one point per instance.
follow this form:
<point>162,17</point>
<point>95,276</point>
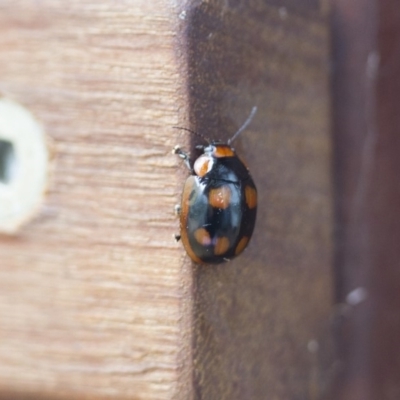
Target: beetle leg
<point>177,209</point>
<point>185,156</point>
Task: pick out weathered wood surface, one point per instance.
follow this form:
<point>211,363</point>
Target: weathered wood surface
<point>262,322</point>
<point>93,297</point>
<point>366,91</point>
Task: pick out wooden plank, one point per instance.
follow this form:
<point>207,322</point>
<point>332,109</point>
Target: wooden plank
<point>262,322</point>
<point>366,86</point>
<point>354,40</point>
<point>385,211</point>
<point>93,298</point>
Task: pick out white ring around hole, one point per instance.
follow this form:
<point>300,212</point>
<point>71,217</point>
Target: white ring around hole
<point>21,197</point>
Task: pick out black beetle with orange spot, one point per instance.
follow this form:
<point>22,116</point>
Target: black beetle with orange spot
<point>219,203</point>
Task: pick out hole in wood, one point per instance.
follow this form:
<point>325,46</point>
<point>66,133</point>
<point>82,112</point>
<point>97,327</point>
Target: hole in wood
<point>24,159</point>
<point>8,162</point>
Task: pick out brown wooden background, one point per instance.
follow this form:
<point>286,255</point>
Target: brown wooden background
<point>365,88</point>
<point>98,301</point>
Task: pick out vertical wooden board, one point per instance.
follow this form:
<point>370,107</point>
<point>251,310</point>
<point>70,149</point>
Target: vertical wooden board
<point>385,211</point>
<point>261,322</point>
<point>92,292</point>
<point>366,38</point>
<point>354,44</point>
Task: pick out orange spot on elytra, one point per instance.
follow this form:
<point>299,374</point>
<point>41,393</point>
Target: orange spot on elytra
<point>221,246</point>
<point>202,236</point>
<point>241,245</point>
<point>202,165</point>
<point>251,196</point>
<point>220,197</point>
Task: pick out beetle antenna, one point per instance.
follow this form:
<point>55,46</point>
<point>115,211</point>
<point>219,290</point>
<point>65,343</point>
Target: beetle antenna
<point>193,132</point>
<point>245,125</point>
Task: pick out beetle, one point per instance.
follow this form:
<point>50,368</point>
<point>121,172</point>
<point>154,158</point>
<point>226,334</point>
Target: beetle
<point>219,202</point>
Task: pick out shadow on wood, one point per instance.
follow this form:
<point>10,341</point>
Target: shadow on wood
<point>262,321</point>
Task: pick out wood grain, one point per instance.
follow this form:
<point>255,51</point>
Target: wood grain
<point>93,297</point>
<point>96,300</point>
<point>262,323</point>
<point>366,86</point>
